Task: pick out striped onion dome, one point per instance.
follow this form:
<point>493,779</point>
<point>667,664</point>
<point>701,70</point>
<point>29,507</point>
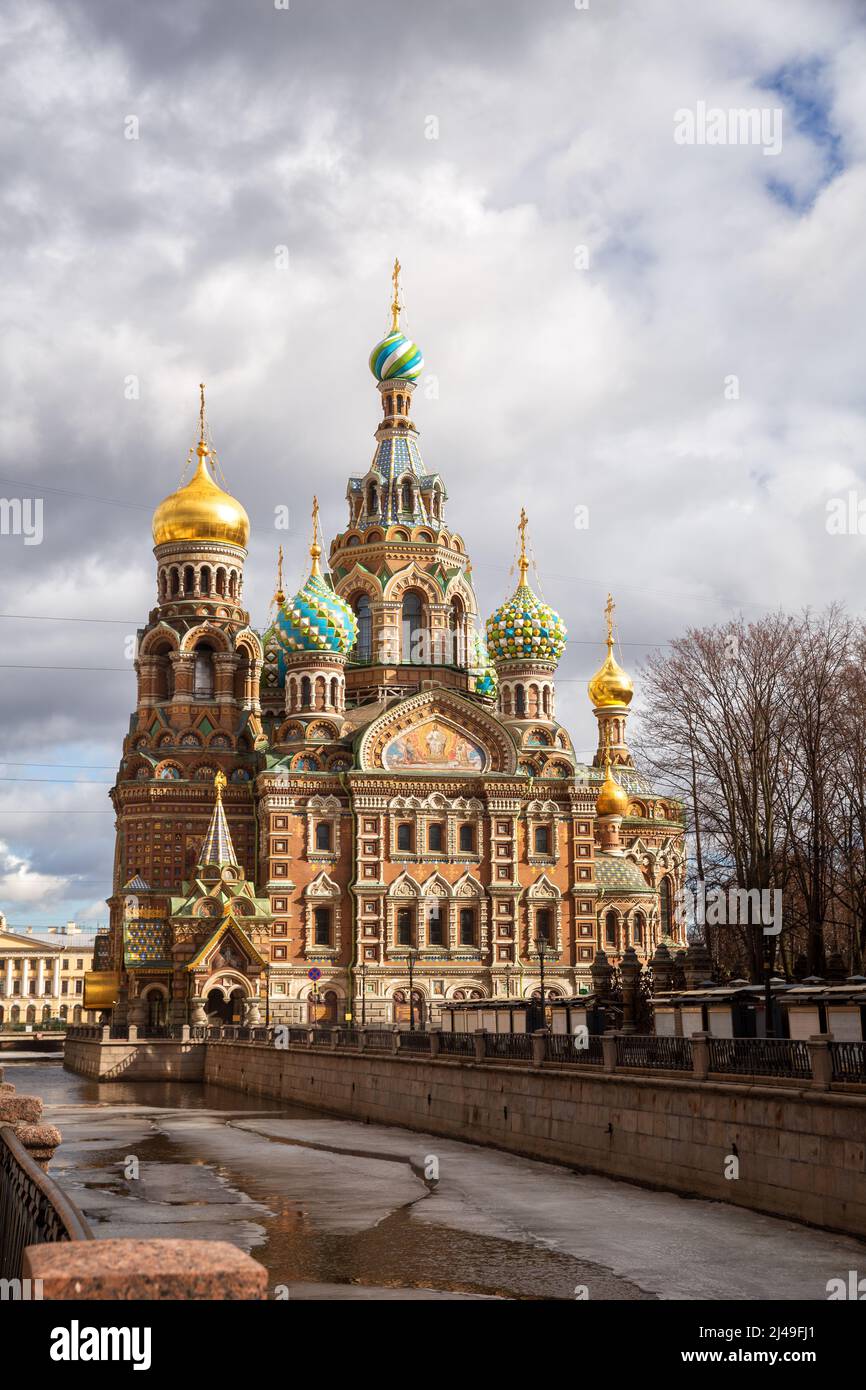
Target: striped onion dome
<point>525,629</point>
<point>396,357</point>
<point>316,620</point>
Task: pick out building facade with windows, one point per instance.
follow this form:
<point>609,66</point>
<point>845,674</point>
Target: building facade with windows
<point>394,786</point>
<point>42,975</point>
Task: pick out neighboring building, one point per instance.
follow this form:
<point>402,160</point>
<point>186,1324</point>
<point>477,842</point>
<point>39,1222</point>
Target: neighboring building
<point>42,975</point>
<point>389,781</point>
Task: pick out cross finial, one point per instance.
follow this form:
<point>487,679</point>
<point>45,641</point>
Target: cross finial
<point>523,561</point>
<point>315,548</point>
<point>279,592</point>
<point>608,612</point>
<point>395,302</point>
<point>201,414</point>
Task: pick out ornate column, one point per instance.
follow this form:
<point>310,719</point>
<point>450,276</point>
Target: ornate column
<point>184,672</point>
<point>224,685</point>
<point>40,977</point>
<point>55,979</point>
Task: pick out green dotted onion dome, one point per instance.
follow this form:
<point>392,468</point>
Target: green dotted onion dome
<point>316,620</point>
<point>525,629</point>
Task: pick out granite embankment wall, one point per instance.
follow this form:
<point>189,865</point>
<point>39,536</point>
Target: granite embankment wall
<point>157,1059</point>
<point>801,1152</point>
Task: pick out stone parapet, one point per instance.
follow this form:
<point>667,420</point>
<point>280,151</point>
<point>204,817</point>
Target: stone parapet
<point>148,1269</point>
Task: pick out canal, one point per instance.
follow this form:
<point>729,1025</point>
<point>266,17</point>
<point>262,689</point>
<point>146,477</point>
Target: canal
<point>339,1209</point>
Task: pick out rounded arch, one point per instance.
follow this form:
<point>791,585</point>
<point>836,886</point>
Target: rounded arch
<point>208,633</point>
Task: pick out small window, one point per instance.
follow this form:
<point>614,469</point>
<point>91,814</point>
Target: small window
<point>467,926</point>
<point>323,835</point>
<point>542,839</point>
<point>637,930</point>
<point>542,924</point>
<point>435,936</point>
<point>467,839</point>
<point>434,837</point>
<point>322,920</point>
<point>610,929</point>
<point>404,836</point>
<point>404,926</point>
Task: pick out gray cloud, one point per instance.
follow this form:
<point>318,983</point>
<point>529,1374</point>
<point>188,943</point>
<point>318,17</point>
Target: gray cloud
<point>558,386</point>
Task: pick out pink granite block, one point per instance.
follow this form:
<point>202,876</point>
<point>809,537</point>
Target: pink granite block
<point>152,1269</point>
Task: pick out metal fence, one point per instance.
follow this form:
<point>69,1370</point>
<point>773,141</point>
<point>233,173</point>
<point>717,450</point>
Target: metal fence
<point>33,1210</point>
<point>849,1061</point>
<point>786,1057</point>
<point>414,1042</point>
<point>649,1051</point>
<point>457,1044</point>
<point>562,1047</point>
<point>508,1046</point>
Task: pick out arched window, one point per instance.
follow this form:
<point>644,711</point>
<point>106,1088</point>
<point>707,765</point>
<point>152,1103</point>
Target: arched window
<point>363,648</point>
<point>520,702</point>
<point>467,838</point>
<point>221,582</point>
<point>322,925</point>
<point>435,935</point>
<point>205,579</point>
<point>546,704</point>
<point>175,583</point>
<point>457,632</point>
<point>306,692</point>
<point>323,835</point>
<point>467,926</point>
<point>610,925</point>
<point>666,907</point>
<point>372,499</point>
<point>407,501</point>
<point>533,702</point>
<point>188,579</point>
<point>542,924</point>
<point>413,625</point>
<point>637,929</point>
<point>203,677</point>
<point>404,926</point>
<point>335,687</point>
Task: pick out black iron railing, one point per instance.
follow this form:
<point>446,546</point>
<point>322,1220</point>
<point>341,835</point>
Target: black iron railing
<point>379,1039</point>
<point>663,1054</point>
<point>457,1044</point>
<point>786,1057</point>
<point>414,1042</point>
<point>508,1046</point>
<point>33,1210</point>
<point>562,1047</point>
<point>849,1061</point>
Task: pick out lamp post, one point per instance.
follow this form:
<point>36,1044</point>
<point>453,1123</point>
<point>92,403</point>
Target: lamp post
<point>411,957</point>
<point>541,947</point>
<point>362,971</point>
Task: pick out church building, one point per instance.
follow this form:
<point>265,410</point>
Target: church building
<point>373,795</point>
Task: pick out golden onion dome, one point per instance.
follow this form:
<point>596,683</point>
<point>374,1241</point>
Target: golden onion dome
<point>201,510</point>
<point>610,685</point>
<point>612,800</point>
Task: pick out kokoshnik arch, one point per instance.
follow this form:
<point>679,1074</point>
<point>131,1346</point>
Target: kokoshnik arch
<point>370,776</point>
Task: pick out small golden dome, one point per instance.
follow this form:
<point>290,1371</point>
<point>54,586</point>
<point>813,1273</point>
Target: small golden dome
<point>610,685</point>
<point>201,511</point>
<point>612,800</point>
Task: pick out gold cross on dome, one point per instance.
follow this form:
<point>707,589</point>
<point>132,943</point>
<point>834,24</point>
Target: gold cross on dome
<point>395,302</point>
<point>608,612</point>
<point>523,562</point>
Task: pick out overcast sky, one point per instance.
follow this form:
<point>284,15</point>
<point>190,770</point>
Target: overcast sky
<point>667,334</point>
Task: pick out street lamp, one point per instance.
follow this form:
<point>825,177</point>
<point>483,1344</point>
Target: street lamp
<point>412,955</point>
<point>541,948</point>
<point>362,971</point>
